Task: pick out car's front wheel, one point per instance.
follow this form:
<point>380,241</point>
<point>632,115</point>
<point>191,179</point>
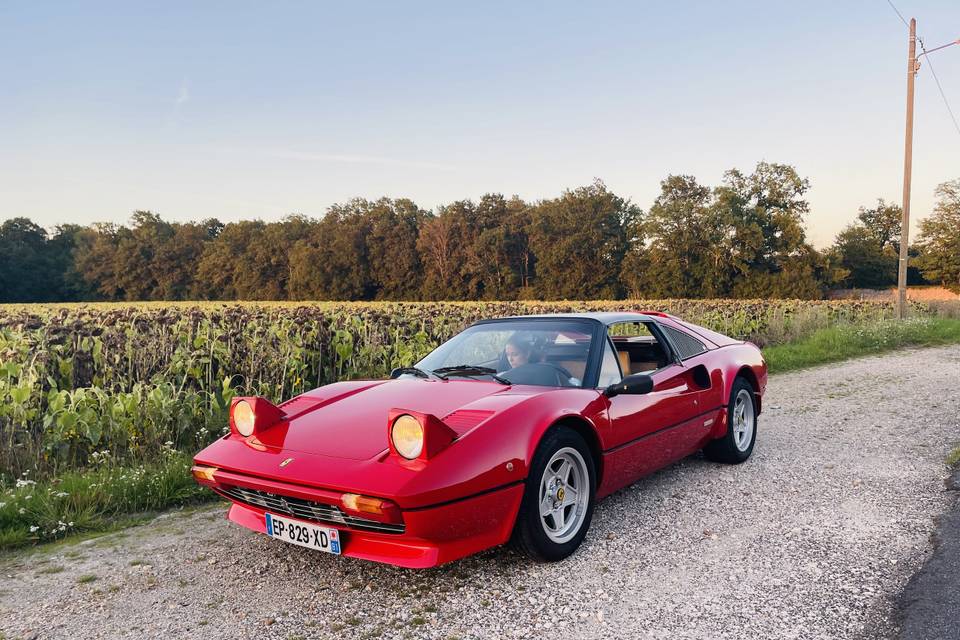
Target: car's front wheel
<point>558,499</point>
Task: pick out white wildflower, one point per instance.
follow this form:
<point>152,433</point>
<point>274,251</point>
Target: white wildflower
<point>33,528</point>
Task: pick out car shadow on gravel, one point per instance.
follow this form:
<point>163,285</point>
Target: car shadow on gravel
<point>505,560</point>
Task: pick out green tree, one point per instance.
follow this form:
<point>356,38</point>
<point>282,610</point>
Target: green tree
<point>476,251</point>
<point>579,241</point>
<point>138,251</point>
<point>869,248</point>
<point>331,262</point>
<point>939,240</point>
<point>249,260</point>
<point>62,247</point>
<point>360,250</point>
<point>94,260</point>
<point>884,223</point>
<point>496,242</point>
<point>802,274</point>
<point>682,246</point>
<point>768,250</point>
<point>152,259</point>
<point>391,247</point>
<point>27,273</point>
<point>444,244</point>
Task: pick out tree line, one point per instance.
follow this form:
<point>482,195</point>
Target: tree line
<point>743,238</point>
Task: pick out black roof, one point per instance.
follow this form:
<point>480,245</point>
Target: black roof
<point>604,317</point>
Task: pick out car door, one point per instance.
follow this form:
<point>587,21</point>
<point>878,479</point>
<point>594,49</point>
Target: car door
<point>652,430</point>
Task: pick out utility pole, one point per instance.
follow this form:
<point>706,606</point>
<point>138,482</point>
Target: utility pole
<point>907,174</point>
<point>913,65</point>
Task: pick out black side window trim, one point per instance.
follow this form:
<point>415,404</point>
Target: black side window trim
<point>667,331</point>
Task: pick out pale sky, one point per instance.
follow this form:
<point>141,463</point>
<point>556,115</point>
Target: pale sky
<point>241,110</point>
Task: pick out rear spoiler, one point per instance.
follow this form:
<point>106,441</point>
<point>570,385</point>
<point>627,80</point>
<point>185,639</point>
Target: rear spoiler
<point>658,314</point>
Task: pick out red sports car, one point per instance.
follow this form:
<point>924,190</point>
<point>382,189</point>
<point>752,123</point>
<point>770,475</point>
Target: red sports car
<point>513,428</point>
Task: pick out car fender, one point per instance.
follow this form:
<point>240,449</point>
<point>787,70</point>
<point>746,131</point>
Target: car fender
<point>498,452</point>
<point>743,359</point>
<point>584,409</point>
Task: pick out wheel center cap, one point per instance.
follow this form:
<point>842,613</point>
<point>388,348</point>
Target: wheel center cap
<point>560,493</point>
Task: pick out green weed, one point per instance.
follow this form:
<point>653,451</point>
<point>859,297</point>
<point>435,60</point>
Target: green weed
<point>845,341</point>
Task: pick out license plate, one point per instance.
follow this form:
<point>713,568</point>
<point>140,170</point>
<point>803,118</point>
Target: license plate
<point>304,534</point>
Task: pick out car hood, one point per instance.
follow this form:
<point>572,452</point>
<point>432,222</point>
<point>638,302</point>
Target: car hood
<point>349,419</point>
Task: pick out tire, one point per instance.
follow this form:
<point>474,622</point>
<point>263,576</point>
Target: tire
<point>735,447</point>
<point>559,531</point>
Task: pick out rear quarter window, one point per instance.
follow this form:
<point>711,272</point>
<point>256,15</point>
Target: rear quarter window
<point>687,346</point>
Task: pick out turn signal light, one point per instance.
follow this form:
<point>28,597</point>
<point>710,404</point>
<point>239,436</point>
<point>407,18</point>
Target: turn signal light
<point>203,474</point>
<point>362,504</point>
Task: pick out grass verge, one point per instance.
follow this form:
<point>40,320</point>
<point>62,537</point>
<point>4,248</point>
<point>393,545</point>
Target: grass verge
<point>94,500</point>
<point>953,458</point>
<point>845,341</point>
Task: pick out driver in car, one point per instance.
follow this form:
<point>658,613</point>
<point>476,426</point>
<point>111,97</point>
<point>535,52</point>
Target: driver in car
<point>519,351</point>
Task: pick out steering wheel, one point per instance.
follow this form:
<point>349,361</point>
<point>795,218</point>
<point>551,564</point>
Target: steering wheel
<point>562,370</point>
<point>539,373</point>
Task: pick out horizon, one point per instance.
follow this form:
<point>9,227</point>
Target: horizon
<point>239,113</point>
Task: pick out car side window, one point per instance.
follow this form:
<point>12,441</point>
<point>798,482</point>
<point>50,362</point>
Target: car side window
<point>638,348</point>
<point>687,345</point>
<point>609,367</point>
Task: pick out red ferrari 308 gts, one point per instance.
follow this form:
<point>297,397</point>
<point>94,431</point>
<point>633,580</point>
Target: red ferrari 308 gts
<point>514,428</point>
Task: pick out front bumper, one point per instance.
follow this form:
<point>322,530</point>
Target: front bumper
<point>428,536</point>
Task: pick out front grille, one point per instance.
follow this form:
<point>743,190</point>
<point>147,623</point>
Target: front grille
<point>306,509</point>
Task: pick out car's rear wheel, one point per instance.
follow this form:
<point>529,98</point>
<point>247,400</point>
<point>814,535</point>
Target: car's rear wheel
<point>558,499</point>
<point>737,444</point>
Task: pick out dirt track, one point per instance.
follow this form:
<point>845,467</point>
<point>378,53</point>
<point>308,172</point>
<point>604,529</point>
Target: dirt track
<point>812,538</point>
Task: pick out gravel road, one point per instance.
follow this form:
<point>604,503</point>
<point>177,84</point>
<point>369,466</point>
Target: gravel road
<point>812,538</point>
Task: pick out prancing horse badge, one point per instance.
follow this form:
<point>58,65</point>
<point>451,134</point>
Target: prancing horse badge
<point>286,462</point>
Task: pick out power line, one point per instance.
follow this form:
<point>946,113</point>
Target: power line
<point>899,15</point>
<point>943,95</point>
<point>933,71</point>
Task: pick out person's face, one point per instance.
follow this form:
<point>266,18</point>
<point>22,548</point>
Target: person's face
<point>516,357</point>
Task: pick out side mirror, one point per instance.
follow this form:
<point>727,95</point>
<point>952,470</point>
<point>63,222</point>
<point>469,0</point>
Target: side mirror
<point>637,384</point>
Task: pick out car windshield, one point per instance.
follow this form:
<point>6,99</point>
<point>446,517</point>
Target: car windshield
<point>550,353</point>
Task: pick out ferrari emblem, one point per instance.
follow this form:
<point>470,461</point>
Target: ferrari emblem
<point>560,493</point>
<point>286,462</point>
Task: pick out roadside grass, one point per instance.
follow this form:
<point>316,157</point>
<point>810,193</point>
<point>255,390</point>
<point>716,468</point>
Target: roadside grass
<point>94,500</point>
<point>845,341</point>
<point>953,458</point>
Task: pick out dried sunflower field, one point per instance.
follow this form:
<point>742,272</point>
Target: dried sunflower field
<point>128,380</point>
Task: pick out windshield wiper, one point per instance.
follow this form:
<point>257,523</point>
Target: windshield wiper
<point>399,371</point>
<point>470,370</point>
